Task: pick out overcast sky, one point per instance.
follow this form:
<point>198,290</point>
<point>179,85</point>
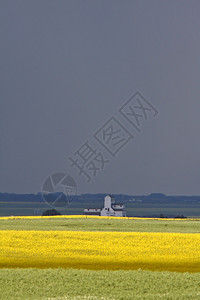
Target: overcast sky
<point>66,68</point>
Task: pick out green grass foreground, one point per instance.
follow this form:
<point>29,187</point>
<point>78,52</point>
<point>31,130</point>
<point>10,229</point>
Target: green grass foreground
<point>98,224</point>
<point>95,285</point>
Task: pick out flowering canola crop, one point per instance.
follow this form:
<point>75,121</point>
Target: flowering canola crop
<point>100,250</point>
<point>91,217</point>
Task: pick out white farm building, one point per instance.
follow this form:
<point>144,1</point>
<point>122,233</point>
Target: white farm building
<point>110,209</point>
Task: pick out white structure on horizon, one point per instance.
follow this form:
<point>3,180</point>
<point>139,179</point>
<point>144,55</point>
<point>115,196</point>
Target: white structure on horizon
<point>110,209</point>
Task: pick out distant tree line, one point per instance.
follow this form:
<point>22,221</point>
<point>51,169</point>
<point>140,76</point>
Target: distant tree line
<point>51,212</point>
<point>176,217</point>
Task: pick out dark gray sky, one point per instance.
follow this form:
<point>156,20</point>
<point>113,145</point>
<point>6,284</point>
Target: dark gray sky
<point>66,67</point>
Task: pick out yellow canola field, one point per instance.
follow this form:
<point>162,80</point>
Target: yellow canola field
<point>93,217</point>
<point>100,250</point>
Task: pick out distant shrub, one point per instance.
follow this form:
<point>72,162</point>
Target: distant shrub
<point>163,216</point>
<point>51,212</point>
<point>180,217</point>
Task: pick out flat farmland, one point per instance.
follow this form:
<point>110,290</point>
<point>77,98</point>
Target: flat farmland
<point>83,223</point>
<point>65,257</point>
